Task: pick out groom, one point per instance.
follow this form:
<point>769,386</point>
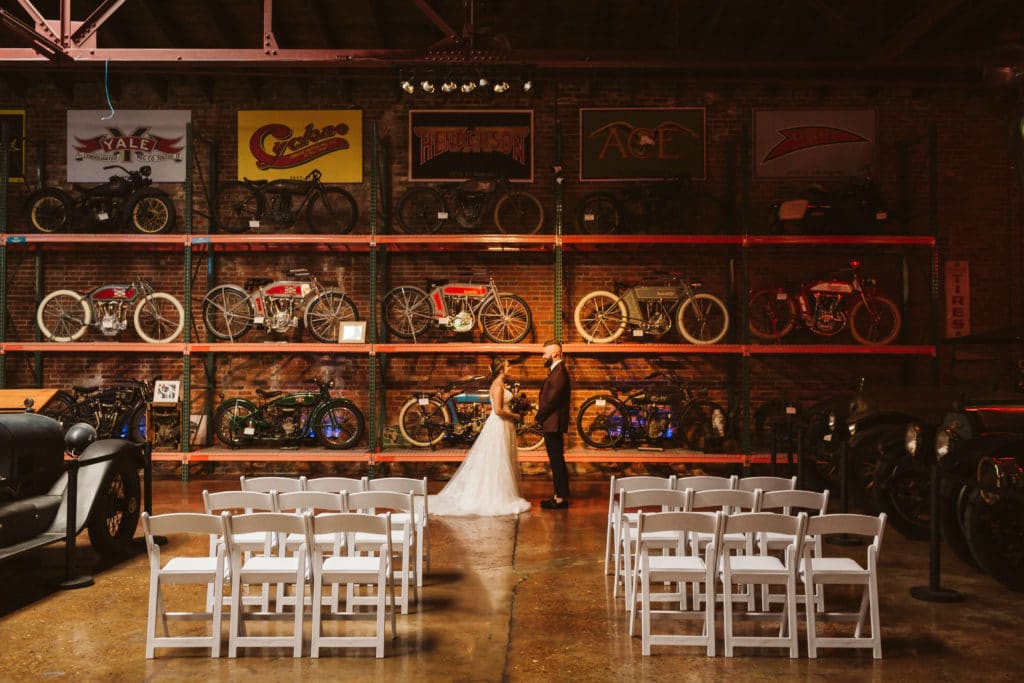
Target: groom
<point>553,419</point>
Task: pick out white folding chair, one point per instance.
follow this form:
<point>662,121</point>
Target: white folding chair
<point>337,484</point>
<point>266,569</point>
<point>817,571</point>
<point>244,502</point>
<point>311,502</point>
<point>611,548</point>
<point>632,503</point>
<point>183,569</point>
<point>763,569</point>
<point>680,569</point>
<point>767,483</point>
<point>272,483</point>
<point>365,570</point>
<point>726,501</point>
<point>705,482</point>
<point>418,487</point>
<point>792,503</point>
<point>402,537</point>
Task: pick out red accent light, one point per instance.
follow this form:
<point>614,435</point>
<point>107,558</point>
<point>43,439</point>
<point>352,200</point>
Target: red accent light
<point>855,264</point>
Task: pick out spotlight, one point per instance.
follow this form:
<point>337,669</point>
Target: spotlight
<point>468,86</point>
<point>427,86</point>
<point>407,86</point>
<point>501,86</point>
<point>527,85</point>
<point>449,86</point>
<point>483,82</point>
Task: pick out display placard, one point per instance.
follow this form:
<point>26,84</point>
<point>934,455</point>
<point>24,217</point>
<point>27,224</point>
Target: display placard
<point>131,138</point>
<point>450,144</point>
<point>289,144</point>
<point>814,143</point>
<point>166,392</point>
<point>352,332</point>
<point>642,144</point>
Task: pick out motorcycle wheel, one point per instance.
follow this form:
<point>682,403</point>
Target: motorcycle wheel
<point>602,422</point>
<point>995,535</point>
<point>422,424</point>
<point>332,210</point>
<point>236,208</point>
<point>137,423</point>
<point>696,425</point>
<point>702,213</point>
<point>63,315</point>
<point>339,425</point>
<point>229,422</point>
<point>952,521</point>
<point>506,319</point>
<point>116,510</point>
<point>519,213</point>
<point>325,313</point>
<point>61,408</point>
<point>421,210</point>
<point>227,312</point>
<point>903,492</point>
<point>600,317</point>
<point>771,318</point>
<point>876,322</point>
<point>703,319</point>
<point>159,318</point>
<point>152,212</point>
<point>50,210</point>
<point>598,214</point>
<point>406,312</point>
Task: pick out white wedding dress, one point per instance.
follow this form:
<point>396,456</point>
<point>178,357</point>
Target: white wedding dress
<point>487,481</point>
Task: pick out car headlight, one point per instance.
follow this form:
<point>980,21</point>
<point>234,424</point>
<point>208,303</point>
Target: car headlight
<point>912,439</point>
<point>942,441</point>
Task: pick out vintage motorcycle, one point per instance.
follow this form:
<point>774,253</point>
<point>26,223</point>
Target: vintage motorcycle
<point>672,204</point>
<point>469,204</point>
<point>701,318</point>
<point>117,411</point>
<point>230,311</point>
<point>852,208</point>
<point>408,311</point>
<point>652,414</point>
<point>64,315</point>
<point>826,306</point>
<point>457,411</point>
<point>290,418</point>
<point>242,206</point>
<point>124,200</point>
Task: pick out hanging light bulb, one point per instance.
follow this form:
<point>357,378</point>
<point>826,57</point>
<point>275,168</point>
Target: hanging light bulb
<point>407,86</point>
<point>427,86</point>
<point>501,86</point>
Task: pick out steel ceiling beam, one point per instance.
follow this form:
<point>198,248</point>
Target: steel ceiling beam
<point>93,22</point>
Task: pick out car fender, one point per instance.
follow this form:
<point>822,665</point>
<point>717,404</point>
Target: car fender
<point>90,478</point>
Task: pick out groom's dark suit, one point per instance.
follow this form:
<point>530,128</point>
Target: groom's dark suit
<point>553,417</point>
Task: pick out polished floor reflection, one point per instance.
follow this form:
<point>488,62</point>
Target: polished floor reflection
<point>507,599</point>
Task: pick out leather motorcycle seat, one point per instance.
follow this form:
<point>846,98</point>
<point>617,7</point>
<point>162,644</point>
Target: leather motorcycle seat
<point>297,273</point>
<point>268,394</point>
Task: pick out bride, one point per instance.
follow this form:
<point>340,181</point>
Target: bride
<point>487,482</point>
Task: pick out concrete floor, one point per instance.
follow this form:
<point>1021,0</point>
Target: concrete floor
<point>507,599</point>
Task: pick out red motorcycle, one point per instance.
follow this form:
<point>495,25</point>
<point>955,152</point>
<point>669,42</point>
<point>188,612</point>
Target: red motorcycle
<point>826,306</point>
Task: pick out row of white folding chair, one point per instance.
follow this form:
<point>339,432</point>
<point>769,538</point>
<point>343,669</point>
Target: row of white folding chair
<point>798,563</point>
<point>694,483</point>
<point>372,569</point>
<point>270,483</point>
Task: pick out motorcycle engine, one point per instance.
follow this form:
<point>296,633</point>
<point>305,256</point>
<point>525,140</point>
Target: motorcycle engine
<point>280,206</point>
<point>472,205</point>
<point>464,319</point>
<point>113,318</point>
<point>829,318</point>
<point>280,315</point>
<point>101,210</point>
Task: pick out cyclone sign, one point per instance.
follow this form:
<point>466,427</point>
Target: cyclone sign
<point>290,144</point>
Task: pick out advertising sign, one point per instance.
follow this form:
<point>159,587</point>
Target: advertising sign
<point>290,144</point>
<point>814,143</point>
<point>958,298</point>
<point>128,138</point>
<point>642,144</point>
<point>450,144</point>
<point>12,123</point>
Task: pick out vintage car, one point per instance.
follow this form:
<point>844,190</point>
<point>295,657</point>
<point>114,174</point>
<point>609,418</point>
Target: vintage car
<point>45,497</point>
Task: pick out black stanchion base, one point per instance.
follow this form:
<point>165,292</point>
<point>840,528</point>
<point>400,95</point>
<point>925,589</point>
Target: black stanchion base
<point>844,539</point>
<point>83,581</point>
<point>929,594</point>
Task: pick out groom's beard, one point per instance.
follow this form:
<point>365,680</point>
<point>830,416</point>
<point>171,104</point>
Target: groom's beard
<point>548,362</point>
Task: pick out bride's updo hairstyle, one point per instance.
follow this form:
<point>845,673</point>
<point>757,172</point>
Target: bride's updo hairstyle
<point>497,365</point>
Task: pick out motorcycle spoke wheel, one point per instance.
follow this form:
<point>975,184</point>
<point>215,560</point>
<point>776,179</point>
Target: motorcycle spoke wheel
<point>236,208</point>
<point>136,427</point>
<point>702,425</point>
<point>519,213</point>
<point>230,422</point>
<point>602,422</point>
<point>116,511</point>
<point>995,534</point>
<point>903,492</point>
<point>598,214</point>
<point>152,214</point>
<point>60,408</point>
<point>332,210</point>
<point>600,317</point>
<point>159,318</point>
<point>63,316</point>
<point>422,424</point>
<point>50,211</point>
<point>326,313</point>
<point>421,211</point>
<point>771,318</point>
<point>406,312</point>
<point>703,319</point>
<point>227,313</point>
<point>875,320</point>
<point>339,426</point>
<point>506,319</point>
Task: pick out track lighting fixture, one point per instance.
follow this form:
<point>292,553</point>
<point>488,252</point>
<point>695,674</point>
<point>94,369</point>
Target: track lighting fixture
<point>449,86</point>
<point>407,86</point>
<point>468,86</point>
<point>427,86</point>
<point>501,86</point>
<point>483,82</point>
<point>527,85</point>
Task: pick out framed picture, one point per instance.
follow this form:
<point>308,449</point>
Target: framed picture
<point>652,143</point>
<point>455,144</point>
<point>353,332</point>
<point>166,392</point>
